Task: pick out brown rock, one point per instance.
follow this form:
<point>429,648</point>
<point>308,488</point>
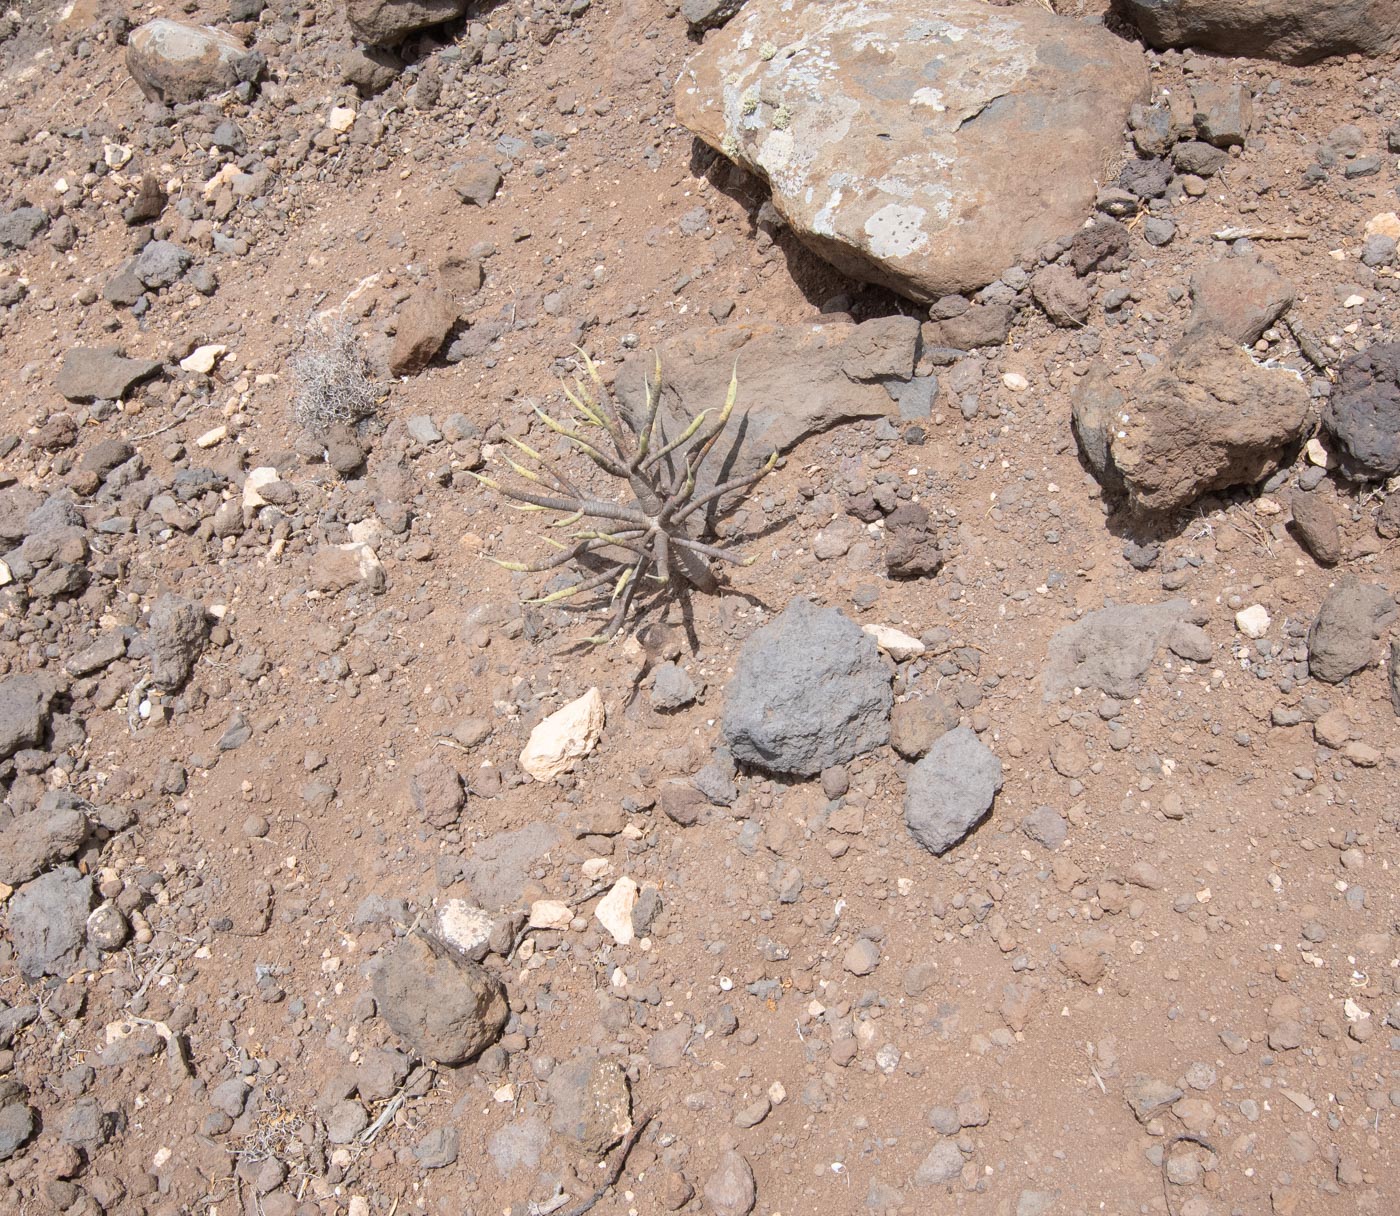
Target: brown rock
<point>477,182</point>
<point>912,549</point>
<point>1208,418</point>
<point>174,62</point>
<point>793,382</point>
<point>1294,31</point>
<point>1062,296</point>
<point>337,567</point>
<point>981,325</point>
<point>917,724</point>
<point>938,137</point>
<point>1315,524</point>
<point>730,1190</point>
<point>438,793</point>
<point>1239,297</point>
<point>424,322</point>
<point>386,22</point>
<point>444,1009</point>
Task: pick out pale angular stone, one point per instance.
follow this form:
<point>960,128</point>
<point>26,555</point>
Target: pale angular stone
<point>894,642</point>
<point>563,737</point>
<point>614,911</point>
<point>1253,621</point>
<point>550,914</point>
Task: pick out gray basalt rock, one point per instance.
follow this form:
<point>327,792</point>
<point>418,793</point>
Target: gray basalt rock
<point>810,691</point>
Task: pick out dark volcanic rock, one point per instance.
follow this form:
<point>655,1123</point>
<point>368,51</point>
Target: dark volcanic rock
<point>48,921</point>
<point>25,705</point>
<point>1363,412</point>
<point>176,637</point>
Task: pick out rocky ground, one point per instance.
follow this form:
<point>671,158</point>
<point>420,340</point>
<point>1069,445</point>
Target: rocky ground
<point>1066,886</point>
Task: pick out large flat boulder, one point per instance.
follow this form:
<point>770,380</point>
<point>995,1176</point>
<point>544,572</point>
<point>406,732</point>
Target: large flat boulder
<point>793,381</point>
<point>925,147</point>
<point>1294,31</point>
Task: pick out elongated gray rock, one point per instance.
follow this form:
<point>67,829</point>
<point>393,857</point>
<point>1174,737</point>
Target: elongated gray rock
<point>809,691</point>
<point>101,373</point>
<point>925,147</point>
<point>1294,31</point>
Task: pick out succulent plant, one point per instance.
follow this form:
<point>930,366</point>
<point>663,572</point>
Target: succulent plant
<point>652,533</point>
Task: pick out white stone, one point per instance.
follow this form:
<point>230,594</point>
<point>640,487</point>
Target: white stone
<point>1016,382</point>
<point>1317,454</point>
<point>212,437</point>
<point>340,119</point>
<point>614,911</point>
<point>256,479</point>
<point>895,643</point>
<point>204,359</point>
<point>1387,223</point>
<point>550,914</point>
<point>463,925</point>
<point>563,737</point>
<point>1253,621</point>
<point>367,531</point>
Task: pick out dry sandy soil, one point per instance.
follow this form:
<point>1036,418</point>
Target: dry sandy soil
<point>1220,917</point>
